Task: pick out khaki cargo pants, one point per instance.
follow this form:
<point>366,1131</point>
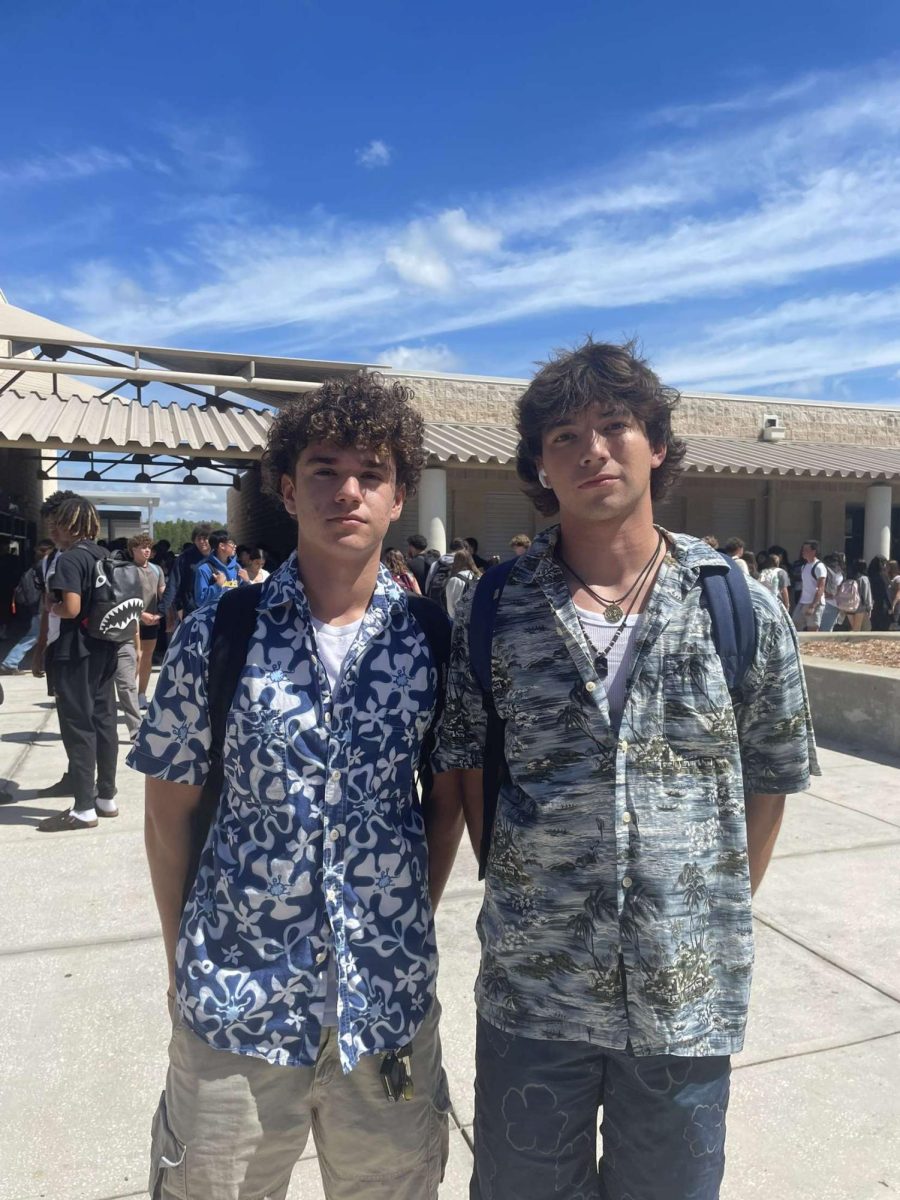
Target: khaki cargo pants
<point>231,1127</point>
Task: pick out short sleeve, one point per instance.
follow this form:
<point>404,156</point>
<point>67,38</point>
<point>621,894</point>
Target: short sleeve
<point>778,750</point>
<point>173,741</point>
<point>820,571</point>
<point>460,737</point>
<point>70,573</point>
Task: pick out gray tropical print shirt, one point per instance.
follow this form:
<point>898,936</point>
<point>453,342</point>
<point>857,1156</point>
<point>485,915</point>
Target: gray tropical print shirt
<point>617,894</point>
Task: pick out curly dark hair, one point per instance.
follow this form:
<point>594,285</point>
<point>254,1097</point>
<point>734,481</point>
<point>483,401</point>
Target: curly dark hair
<point>361,410</point>
<point>574,379</point>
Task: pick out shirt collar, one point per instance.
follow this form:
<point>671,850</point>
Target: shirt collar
<point>685,552</point>
<point>284,586</point>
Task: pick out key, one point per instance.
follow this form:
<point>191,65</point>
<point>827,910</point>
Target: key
<point>396,1075</point>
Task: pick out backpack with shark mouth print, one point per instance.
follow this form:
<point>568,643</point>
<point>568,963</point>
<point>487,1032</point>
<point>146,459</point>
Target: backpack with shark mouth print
<point>117,601</point>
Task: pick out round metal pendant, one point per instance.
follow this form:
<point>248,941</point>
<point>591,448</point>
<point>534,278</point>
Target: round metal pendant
<point>613,614</point>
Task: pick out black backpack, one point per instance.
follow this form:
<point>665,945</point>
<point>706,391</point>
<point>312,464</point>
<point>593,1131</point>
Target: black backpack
<point>232,629</point>
<point>117,600</point>
<point>27,595</point>
<point>438,585</point>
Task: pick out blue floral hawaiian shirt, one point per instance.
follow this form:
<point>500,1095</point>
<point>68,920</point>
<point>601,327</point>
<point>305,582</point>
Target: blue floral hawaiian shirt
<point>617,894</point>
<point>318,851</point>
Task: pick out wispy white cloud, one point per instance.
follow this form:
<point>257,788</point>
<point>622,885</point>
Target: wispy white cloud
<point>423,357</point>
<point>376,154</point>
<point>754,100</point>
<point>63,167</point>
<point>783,201</point>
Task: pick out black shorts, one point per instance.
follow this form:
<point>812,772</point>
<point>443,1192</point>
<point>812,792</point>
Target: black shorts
<point>149,633</point>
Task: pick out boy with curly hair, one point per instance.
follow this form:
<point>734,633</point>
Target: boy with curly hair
<point>302,966</point>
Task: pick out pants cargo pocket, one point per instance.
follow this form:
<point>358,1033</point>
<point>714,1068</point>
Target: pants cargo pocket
<point>167,1167</point>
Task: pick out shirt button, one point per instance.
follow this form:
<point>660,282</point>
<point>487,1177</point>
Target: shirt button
<point>321,956</point>
<point>328,718</point>
<point>626,882</point>
<point>334,835</point>
<point>590,686</point>
<point>335,776</point>
<point>626,817</point>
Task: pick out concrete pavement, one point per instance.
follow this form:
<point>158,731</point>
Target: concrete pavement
<point>815,1110</point>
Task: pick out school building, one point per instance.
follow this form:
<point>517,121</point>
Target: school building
<point>763,469</point>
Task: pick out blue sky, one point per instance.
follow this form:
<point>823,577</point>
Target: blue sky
<point>464,187</point>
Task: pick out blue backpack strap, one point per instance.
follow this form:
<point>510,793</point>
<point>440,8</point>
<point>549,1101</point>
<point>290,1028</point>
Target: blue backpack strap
<point>485,603</point>
<point>726,594</point>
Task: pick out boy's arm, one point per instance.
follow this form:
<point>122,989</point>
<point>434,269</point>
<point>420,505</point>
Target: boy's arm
<point>473,807</point>
<point>168,808</point>
<point>763,815</point>
<point>443,830</point>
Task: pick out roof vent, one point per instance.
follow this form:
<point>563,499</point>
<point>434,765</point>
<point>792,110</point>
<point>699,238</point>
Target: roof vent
<point>772,429</point>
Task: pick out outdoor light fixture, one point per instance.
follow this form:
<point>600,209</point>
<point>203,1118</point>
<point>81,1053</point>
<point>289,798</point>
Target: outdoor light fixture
<point>93,476</point>
<point>143,477</point>
<point>190,478</point>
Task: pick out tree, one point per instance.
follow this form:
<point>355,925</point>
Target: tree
<point>176,533</point>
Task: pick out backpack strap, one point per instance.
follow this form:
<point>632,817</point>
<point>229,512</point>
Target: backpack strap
<point>726,595</point>
<point>232,629</point>
<point>435,624</point>
<point>485,604</point>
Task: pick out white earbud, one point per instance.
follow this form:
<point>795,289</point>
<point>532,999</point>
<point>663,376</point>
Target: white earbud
<point>542,476</point>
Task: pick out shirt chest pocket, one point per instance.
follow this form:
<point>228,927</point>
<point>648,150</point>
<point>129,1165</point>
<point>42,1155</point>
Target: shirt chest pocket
<point>255,756</point>
<point>698,715</point>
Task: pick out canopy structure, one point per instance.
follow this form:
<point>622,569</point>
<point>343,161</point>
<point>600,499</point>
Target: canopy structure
<point>39,345</point>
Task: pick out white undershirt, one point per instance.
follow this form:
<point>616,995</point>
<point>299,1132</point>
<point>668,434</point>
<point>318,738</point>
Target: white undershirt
<point>600,633</point>
<point>333,643</point>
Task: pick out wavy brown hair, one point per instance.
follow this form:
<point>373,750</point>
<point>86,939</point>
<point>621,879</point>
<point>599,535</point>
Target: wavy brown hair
<point>362,411</point>
<point>597,372</point>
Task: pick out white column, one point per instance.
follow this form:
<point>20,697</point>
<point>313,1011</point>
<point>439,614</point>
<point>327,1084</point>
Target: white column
<point>877,533</point>
<point>433,508</point>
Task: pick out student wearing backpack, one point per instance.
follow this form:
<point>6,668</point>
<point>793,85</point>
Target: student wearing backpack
<point>84,669</point>
<point>28,597</point>
<point>178,598</point>
<point>220,571</point>
<point>855,596</point>
<point>810,605</point>
<point>835,566</point>
<point>301,956</point>
<point>637,804</point>
<point>439,572</point>
<point>462,574</point>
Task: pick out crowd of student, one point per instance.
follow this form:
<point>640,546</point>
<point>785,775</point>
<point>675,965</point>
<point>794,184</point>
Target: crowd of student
<point>444,578</point>
<point>825,595</point>
<point>98,676</point>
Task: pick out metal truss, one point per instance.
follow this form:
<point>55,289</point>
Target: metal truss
<point>152,468</point>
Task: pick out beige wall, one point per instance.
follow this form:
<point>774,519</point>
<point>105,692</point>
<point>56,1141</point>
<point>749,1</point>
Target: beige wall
<point>492,402</point>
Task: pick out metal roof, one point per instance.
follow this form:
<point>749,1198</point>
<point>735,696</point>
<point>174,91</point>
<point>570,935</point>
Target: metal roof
<point>823,459</point>
<point>471,443</point>
<point>75,417</point>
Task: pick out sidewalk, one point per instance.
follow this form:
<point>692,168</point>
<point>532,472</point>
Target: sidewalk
<point>815,1109</point>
